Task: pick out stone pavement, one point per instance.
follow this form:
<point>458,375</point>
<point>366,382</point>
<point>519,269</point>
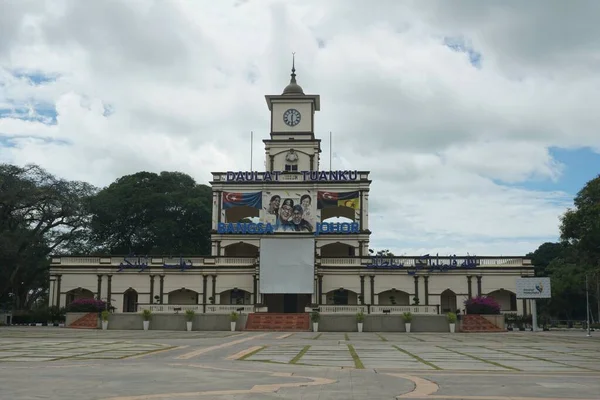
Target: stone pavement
<point>135,365</point>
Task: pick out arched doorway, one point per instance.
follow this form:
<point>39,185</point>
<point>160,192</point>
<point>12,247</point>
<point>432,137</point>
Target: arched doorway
<point>79,293</point>
<point>183,296</point>
<point>394,297</point>
<point>241,249</point>
<point>448,300</point>
<point>506,299</point>
<point>130,300</point>
<point>342,297</point>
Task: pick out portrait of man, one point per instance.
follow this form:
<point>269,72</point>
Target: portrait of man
<point>298,221</point>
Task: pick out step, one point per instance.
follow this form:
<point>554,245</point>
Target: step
<point>88,321</point>
<point>477,324</point>
<point>278,322</point>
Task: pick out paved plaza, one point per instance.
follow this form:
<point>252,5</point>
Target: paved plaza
<point>59,363</point>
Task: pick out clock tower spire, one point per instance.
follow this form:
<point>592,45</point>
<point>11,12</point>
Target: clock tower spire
<point>292,128</point>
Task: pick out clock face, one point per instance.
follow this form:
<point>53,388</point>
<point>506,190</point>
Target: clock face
<point>291,117</point>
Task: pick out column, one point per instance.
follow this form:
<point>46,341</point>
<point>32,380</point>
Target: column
<point>151,289</point>
<point>99,288</point>
<point>362,289</point>
<point>469,286</point>
<point>524,307</point>
<point>59,278</point>
<point>372,289</point>
<point>416,278</point>
<point>109,291</point>
<point>320,277</point>
<point>204,288</point>
<point>161,288</point>
<point>214,289</point>
<point>254,288</point>
<point>426,279</point>
<point>51,291</point>
<point>479,285</point>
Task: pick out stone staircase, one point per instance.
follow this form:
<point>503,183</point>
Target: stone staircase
<point>88,321</point>
<point>477,324</point>
<point>278,322</point>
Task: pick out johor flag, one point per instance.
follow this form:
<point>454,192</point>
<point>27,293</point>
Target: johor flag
<point>231,199</point>
<point>341,199</point>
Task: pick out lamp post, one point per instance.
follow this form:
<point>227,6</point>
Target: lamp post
<point>587,300</point>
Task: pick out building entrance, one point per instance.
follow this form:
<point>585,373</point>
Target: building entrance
<point>287,303</point>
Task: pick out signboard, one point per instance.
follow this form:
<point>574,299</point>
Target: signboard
<point>308,176</point>
<point>288,211</point>
<point>425,263</point>
<point>142,263</point>
<point>251,228</point>
<point>533,288</point>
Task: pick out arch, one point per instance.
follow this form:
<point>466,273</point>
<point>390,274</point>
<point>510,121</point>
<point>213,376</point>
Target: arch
<point>506,299</point>
<point>183,296</point>
<point>239,213</point>
<point>130,300</point>
<point>394,297</point>
<point>235,296</point>
<point>341,296</point>
<point>448,301</point>
<point>78,293</point>
<point>241,249</point>
<point>348,214</point>
<point>337,249</point>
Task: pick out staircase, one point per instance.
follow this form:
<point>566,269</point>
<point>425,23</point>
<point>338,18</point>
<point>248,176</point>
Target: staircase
<point>476,323</point>
<point>88,321</point>
<point>278,322</point>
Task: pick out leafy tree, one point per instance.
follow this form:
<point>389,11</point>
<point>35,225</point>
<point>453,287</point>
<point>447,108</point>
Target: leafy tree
<point>580,229</point>
<point>382,253</point>
<point>147,213</point>
<point>39,214</point>
<point>543,256</point>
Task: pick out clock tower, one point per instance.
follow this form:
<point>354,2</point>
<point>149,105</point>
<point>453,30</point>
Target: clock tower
<point>292,146</point>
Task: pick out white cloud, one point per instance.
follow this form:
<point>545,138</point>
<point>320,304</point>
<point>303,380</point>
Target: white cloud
<point>185,83</point>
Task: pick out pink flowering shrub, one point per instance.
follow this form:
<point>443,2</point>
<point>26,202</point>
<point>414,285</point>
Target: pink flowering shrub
<point>482,305</point>
<point>86,305</point>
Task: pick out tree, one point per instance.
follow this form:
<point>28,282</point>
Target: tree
<point>147,213</point>
<point>382,253</point>
<point>39,214</point>
<point>543,256</point>
<point>580,229</point>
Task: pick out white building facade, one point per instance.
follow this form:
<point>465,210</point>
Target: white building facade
<point>289,239</point>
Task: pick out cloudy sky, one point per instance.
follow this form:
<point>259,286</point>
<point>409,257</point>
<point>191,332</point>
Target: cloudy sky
<point>475,118</point>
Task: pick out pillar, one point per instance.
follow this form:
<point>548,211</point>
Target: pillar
<point>469,286</point>
<point>109,290</point>
<point>204,288</point>
<point>151,289</point>
<point>479,285</point>
<point>372,289</point>
<point>99,288</point>
<point>59,280</point>
<point>362,289</point>
<point>254,289</point>
<point>214,289</point>
<point>320,277</point>
<point>416,278</point>
<point>426,280</point>
<point>161,288</point>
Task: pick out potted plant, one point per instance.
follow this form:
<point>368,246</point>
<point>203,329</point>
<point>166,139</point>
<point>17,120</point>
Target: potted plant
<point>104,314</point>
<point>147,315</point>
<point>189,316</point>
<point>407,317</point>
<point>452,321</point>
<point>233,317</point>
<point>315,317</point>
<point>360,318</point>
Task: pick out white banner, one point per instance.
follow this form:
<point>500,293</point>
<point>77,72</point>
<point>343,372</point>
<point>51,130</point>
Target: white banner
<point>287,265</point>
<point>533,288</point>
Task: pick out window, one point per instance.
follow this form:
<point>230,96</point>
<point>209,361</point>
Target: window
<point>291,168</point>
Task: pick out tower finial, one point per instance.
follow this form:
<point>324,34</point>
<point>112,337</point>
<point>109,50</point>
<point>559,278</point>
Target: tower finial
<point>293,75</point>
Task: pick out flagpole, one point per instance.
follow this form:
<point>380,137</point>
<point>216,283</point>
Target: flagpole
<point>251,142</point>
<point>330,151</point>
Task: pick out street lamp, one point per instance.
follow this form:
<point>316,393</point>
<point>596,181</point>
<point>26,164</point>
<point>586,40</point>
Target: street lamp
<point>587,300</point>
